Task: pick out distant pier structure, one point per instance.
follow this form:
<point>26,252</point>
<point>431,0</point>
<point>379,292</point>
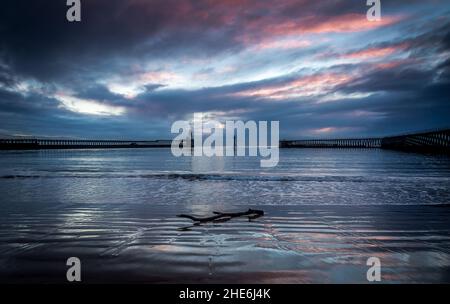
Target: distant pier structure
<point>436,141</point>
<point>31,144</point>
<point>332,143</point>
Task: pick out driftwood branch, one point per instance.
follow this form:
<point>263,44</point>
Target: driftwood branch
<point>222,217</point>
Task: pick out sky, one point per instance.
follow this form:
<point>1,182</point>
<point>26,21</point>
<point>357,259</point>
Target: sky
<point>131,68</point>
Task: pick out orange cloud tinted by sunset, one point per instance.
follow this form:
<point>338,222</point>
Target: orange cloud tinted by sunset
<point>374,52</point>
<point>338,24</point>
<point>304,86</point>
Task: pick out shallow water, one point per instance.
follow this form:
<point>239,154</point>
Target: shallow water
<point>327,212</point>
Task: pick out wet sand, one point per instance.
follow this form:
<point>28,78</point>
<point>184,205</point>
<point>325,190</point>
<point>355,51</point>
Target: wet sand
<point>292,244</point>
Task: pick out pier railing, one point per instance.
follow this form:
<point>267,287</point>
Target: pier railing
<point>332,143</point>
<point>23,144</point>
<point>430,141</point>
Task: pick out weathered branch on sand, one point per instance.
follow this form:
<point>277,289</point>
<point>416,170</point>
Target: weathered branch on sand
<point>224,216</point>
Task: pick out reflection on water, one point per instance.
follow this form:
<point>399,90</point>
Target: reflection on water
<point>326,212</point>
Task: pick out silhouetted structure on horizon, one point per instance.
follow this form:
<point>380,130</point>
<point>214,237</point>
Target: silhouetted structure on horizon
<point>437,141</point>
<point>332,143</point>
<point>432,141</point>
<point>32,144</point>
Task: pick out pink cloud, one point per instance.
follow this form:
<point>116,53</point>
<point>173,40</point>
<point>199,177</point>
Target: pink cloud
<point>395,63</point>
<point>325,130</point>
<point>304,86</point>
<point>283,44</point>
<point>375,52</point>
<point>338,24</point>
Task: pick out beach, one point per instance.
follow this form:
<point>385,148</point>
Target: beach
<point>326,212</point>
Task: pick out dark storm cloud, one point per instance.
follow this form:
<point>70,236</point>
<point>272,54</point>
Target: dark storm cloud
<point>101,93</point>
<point>38,41</point>
<point>6,79</point>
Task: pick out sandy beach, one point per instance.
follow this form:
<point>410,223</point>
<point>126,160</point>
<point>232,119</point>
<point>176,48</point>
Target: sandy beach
<point>303,244</point>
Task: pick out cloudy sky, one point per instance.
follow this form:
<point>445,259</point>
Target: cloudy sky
<point>131,68</point>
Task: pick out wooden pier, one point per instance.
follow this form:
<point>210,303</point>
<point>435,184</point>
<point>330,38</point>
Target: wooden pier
<point>32,144</point>
<point>431,141</point>
<point>332,143</point>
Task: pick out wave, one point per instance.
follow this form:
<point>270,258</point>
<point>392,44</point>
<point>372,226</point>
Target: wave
<point>224,177</point>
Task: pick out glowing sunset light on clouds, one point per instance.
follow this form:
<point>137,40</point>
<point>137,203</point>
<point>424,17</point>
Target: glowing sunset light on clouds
<point>292,61</point>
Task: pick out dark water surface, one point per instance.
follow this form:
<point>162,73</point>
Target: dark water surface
<point>327,212</point>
